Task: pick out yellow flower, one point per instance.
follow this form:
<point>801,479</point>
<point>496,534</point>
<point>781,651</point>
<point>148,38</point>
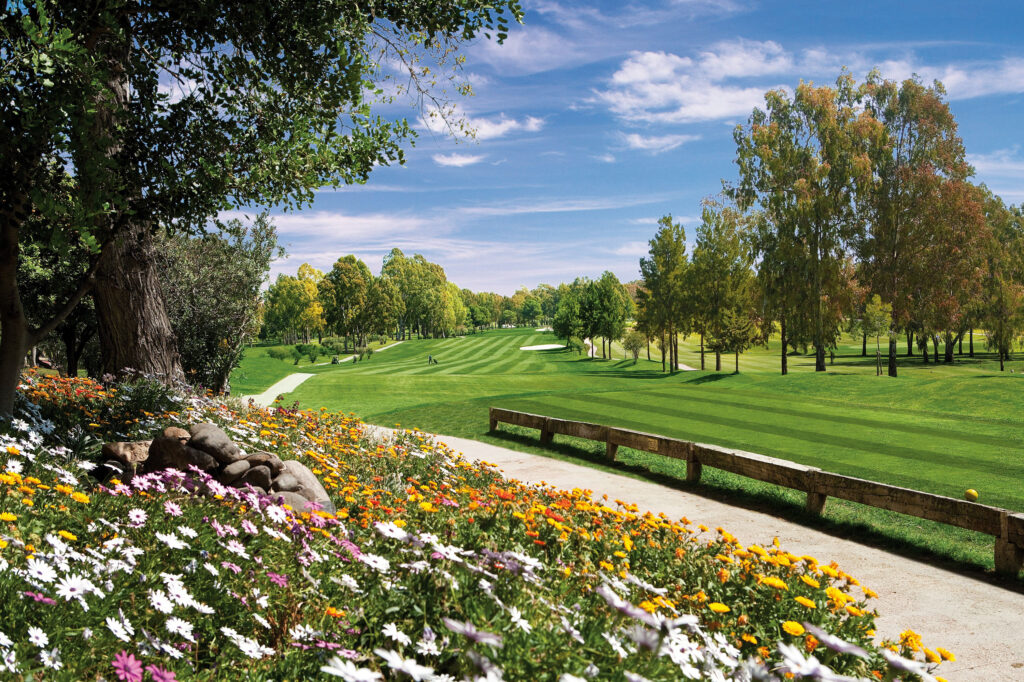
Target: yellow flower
<point>777,583</point>
<point>747,637</point>
<point>794,628</point>
<point>427,506</point>
<point>869,593</point>
<point>66,535</point>
<point>80,497</point>
<point>810,581</point>
<point>11,450</point>
<point>854,611</point>
<point>8,516</point>
<point>932,656</point>
<point>649,607</point>
<point>946,655</point>
<point>719,607</point>
<point>806,602</point>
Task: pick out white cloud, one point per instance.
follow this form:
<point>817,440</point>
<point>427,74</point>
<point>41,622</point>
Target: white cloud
<point>660,87</point>
<point>527,206</point>
<point>458,160</point>
<point>529,50</point>
<point>636,249</point>
<point>1001,162</point>
<point>483,128</point>
<point>658,143</point>
<point>606,157</point>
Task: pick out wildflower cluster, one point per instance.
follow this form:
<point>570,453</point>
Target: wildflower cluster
<point>431,568</point>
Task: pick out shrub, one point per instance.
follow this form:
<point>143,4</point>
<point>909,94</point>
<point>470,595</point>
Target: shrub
<point>278,353</point>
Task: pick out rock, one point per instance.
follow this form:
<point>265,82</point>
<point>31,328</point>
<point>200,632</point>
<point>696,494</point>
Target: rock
<point>243,486</point>
<point>177,433</point>
<point>268,458</point>
<point>309,485</point>
<point>257,476</point>
<point>234,471</point>
<point>293,500</point>
<point>285,483</point>
<point>211,439</point>
<point>131,454</point>
<point>171,453</point>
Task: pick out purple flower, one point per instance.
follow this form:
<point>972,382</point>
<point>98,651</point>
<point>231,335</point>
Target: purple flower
<point>161,675</point>
<point>278,579</point>
<point>172,508</point>
<point>40,597</point>
<point>127,667</point>
<point>231,567</point>
<point>470,631</point>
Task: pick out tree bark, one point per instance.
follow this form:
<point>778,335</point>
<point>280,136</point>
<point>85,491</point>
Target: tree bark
<point>819,358</point>
<point>702,352</point>
<point>135,331</point>
<point>718,360</point>
<point>785,345</point>
<point>892,356</point>
<point>960,344</point>
<point>935,347</point>
<point>924,351</point>
<point>864,345</point>
<point>663,342</point>
<point>737,362</point>
<point>948,348</point>
<point>971,347</point>
<point>648,350</point>
<point>910,342</point>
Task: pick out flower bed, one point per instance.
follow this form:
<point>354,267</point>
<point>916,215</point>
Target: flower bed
<point>433,567</point>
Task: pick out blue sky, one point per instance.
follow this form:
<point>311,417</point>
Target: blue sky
<point>596,118</point>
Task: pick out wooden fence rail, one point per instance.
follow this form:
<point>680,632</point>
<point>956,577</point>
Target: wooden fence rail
<point>1006,526</point>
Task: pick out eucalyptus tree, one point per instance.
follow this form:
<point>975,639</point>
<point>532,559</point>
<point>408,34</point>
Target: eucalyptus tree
<point>343,293</point>
<point>803,161</point>
<point>915,151</point>
<point>166,114</point>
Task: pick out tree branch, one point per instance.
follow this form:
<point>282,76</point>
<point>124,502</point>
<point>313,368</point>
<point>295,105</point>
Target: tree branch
<point>85,286</point>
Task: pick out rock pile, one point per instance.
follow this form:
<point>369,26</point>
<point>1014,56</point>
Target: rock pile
<point>207,447</point>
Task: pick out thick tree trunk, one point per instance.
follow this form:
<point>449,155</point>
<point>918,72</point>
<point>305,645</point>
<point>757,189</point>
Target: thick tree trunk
<point>935,347</point>
<point>864,344</point>
<point>135,331</point>
<point>1002,367</point>
<point>960,344</point>
<point>648,350</point>
<point>892,356</point>
<point>819,358</point>
<point>948,348</point>
<point>785,346</point>
<point>970,350</point>
<point>718,360</point>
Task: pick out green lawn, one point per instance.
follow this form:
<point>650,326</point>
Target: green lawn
<point>938,428</point>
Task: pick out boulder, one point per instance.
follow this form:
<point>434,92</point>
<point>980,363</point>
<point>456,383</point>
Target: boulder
<point>257,476</point>
<point>212,440</point>
<point>309,485</point>
<point>234,471</point>
<point>171,453</point>
<point>268,458</point>
<point>285,483</point>
<point>131,454</point>
<point>177,433</point>
<point>293,500</point>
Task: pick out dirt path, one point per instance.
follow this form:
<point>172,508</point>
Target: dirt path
<point>982,623</point>
<point>286,385</point>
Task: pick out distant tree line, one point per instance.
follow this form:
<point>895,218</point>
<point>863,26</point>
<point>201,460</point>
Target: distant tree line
<point>410,297</point>
<point>845,194</point>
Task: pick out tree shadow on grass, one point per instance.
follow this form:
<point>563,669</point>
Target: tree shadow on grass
<point>755,496</point>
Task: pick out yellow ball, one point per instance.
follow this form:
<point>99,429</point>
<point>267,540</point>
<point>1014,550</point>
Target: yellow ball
<point>971,494</point>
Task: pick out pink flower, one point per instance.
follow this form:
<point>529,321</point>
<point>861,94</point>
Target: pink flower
<point>161,675</point>
<point>127,667</point>
<point>278,579</point>
<point>231,567</point>
<point>172,508</point>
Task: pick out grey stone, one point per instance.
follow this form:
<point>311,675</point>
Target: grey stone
<point>234,471</point>
<point>258,476</point>
<point>293,500</point>
<point>285,482</point>
<point>309,485</point>
<point>171,453</point>
<point>132,453</point>
<point>211,439</point>
<point>268,458</point>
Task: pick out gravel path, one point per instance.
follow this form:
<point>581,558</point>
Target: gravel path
<point>982,623</point>
<point>286,385</point>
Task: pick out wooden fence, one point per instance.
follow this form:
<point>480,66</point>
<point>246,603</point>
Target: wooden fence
<point>1006,526</point>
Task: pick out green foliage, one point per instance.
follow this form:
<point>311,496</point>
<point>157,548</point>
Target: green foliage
<point>634,343</point>
<point>280,353</point>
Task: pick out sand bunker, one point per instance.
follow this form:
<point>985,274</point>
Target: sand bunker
<point>543,346</point>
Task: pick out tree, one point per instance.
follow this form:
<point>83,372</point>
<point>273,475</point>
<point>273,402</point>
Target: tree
<point>568,321</point>
<point>343,293</point>
<point>914,150</point>
<point>736,333</point>
<point>211,287</point>
<point>664,272</point>
<point>877,320</point>
<point>634,343</point>
<point>720,274</point>
<point>1004,284</point>
<point>270,101</point>
<point>530,310</point>
<point>610,306</point>
<point>803,161</point>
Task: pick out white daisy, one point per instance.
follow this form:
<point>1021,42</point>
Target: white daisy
<point>40,571</point>
<point>391,630</point>
<point>347,670</point>
<point>180,627</point>
<point>38,637</point>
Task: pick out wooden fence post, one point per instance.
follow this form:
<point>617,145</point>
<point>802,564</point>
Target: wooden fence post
<point>693,465</point>
<point>1009,558</point>
<point>611,450</point>
<point>815,500</point>
<point>545,434</point>
<point>494,420</point>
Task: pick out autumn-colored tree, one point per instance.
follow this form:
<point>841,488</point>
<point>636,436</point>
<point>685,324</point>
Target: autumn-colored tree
<point>914,150</point>
<point>803,161</point>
